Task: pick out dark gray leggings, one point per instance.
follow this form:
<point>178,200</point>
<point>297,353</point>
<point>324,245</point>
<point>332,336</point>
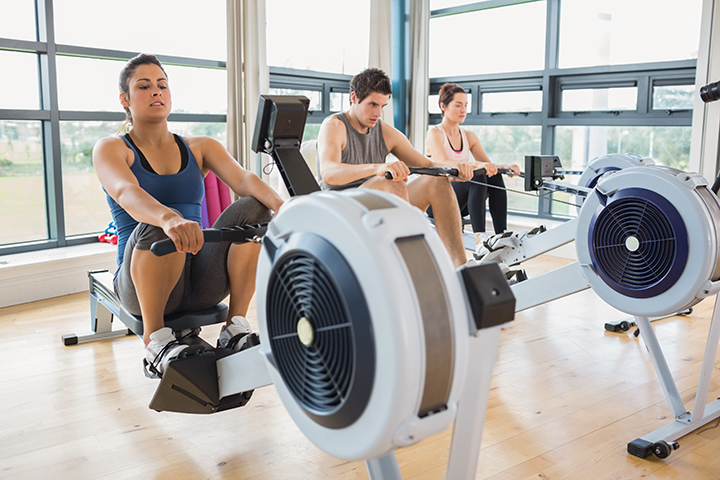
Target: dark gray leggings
<point>204,281</point>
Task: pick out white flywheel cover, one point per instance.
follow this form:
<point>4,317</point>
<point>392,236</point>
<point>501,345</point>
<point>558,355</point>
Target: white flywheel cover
<point>599,166</point>
<point>647,239</point>
<point>363,321</point>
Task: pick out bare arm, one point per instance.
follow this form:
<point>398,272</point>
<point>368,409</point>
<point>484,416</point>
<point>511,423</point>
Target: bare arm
<point>331,141</point>
<point>110,158</point>
<point>478,152</point>
<point>434,144</point>
<point>217,159</point>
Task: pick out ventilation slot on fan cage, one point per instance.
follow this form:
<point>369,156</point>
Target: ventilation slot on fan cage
<point>319,330</point>
<point>638,246</point>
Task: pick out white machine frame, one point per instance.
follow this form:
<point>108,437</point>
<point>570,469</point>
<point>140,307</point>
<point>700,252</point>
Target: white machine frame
<point>570,279</point>
<point>469,419</point>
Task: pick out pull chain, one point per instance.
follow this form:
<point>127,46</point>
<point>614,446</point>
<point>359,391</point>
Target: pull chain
<point>516,191</point>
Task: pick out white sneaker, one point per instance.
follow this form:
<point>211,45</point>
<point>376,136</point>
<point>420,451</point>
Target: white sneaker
<point>480,249</point>
<point>187,332</point>
<point>234,335</point>
<point>480,237</point>
<point>162,348</point>
<point>471,263</point>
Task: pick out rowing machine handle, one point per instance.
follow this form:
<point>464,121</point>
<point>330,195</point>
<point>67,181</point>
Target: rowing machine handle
<point>445,172</point>
<point>166,246</point>
<point>238,234</point>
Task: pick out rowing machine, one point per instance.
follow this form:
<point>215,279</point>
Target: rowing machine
<point>647,244</point>
<point>371,337</point>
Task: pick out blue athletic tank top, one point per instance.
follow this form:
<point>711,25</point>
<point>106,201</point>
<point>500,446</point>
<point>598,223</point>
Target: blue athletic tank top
<point>182,191</point>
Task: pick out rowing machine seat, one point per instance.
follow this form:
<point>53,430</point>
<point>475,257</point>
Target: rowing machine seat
<point>105,307</point>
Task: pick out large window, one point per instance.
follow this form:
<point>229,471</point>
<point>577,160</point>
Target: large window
<point>616,32</point>
<point>63,97</point>
<point>483,42</point>
<point>320,35</point>
<point>22,182</point>
<point>19,90</point>
<point>186,28</point>
<point>314,47</point>
<point>599,77</point>
<point>507,145</point>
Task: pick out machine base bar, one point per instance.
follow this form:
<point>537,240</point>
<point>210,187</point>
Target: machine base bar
<point>555,284</point>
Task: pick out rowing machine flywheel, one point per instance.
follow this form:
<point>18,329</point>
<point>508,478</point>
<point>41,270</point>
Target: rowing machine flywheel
<point>648,239</point>
<point>363,320</point>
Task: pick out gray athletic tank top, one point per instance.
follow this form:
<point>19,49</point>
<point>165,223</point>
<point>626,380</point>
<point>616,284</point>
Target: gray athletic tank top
<point>360,149</point>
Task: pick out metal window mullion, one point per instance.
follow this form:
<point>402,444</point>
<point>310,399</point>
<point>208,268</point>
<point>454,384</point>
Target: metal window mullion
<point>399,64</point>
<point>10,114</point>
<point>684,70</point>
<point>477,6</point>
<point>550,91</point>
<point>627,119</point>
<point>644,94</point>
<point>325,100</point>
<point>123,55</point>
<point>52,159</point>
<point>477,102</point>
<point>15,45</point>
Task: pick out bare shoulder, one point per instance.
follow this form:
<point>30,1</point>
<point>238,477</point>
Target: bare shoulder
<point>210,154</point>
<point>202,141</point>
<point>111,147</point>
<point>109,143</point>
<point>471,136</point>
<point>433,142</point>
<point>434,135</point>
<point>332,130</point>
<point>393,137</point>
<point>332,124</point>
<point>204,147</point>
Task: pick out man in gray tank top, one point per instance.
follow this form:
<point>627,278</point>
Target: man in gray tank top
<point>352,149</point>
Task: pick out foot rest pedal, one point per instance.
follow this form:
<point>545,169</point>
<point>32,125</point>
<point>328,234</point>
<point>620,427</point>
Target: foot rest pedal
<point>190,385</point>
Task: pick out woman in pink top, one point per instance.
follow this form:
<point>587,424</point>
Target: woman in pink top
<point>448,142</point>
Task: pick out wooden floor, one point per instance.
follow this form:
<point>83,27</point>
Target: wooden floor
<point>566,398</point>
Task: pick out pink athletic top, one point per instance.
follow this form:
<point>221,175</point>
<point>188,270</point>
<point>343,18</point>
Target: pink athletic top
<point>462,155</point>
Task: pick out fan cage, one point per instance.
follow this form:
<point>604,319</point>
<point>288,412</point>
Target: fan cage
<point>331,376</point>
<point>660,256</point>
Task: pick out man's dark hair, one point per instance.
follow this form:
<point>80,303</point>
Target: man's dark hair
<point>368,81</point>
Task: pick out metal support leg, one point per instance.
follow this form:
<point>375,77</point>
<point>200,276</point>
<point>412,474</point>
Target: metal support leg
<point>661,367</point>
<point>101,319</point>
<point>685,422</point>
<point>708,361</point>
<point>472,406</point>
<point>384,468</point>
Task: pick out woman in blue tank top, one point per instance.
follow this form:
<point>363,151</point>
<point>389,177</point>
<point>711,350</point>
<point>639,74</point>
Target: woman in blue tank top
<point>154,184</point>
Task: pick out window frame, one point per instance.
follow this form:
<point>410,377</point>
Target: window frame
<point>323,82</point>
<point>50,116</point>
<point>552,81</point>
